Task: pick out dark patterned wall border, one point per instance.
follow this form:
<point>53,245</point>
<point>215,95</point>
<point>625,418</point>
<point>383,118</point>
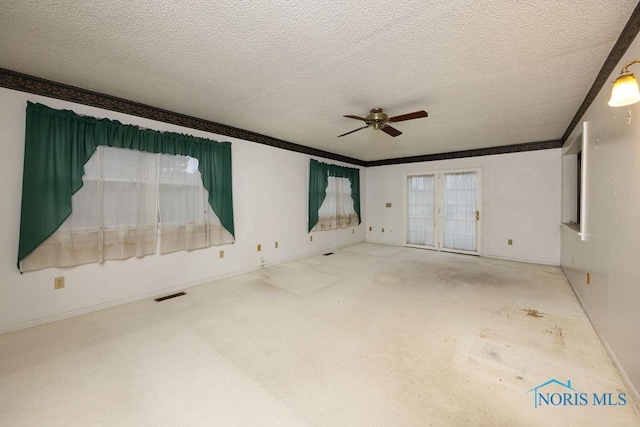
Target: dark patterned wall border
<point>627,36</point>
<point>30,84</point>
<point>26,83</point>
<point>504,149</point>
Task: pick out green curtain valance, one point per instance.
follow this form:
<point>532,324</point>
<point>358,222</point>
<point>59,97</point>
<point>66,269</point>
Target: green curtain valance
<point>58,143</point>
<point>319,174</point>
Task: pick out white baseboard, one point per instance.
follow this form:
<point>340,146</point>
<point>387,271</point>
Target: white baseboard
<point>155,293</point>
<point>380,242</point>
<point>635,396</point>
<point>528,261</point>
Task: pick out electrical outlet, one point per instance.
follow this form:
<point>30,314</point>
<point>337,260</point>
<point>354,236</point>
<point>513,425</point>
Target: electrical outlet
<point>260,262</point>
<point>259,247</point>
<point>58,282</point>
<point>276,245</point>
<point>370,228</point>
<point>388,205</point>
<point>353,231</point>
<point>383,230</point>
<point>221,254</point>
<point>588,278</point>
<point>311,238</point>
<point>510,242</point>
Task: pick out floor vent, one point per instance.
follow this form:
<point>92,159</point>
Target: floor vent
<point>179,294</point>
<point>328,253</point>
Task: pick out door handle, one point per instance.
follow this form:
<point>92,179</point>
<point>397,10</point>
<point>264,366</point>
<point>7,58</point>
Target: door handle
<point>477,215</point>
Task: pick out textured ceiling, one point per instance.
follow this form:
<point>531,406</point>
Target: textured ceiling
<point>489,72</point>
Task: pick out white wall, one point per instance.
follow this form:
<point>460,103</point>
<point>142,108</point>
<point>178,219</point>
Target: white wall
<point>521,202</point>
<point>611,253</point>
<point>270,204</point>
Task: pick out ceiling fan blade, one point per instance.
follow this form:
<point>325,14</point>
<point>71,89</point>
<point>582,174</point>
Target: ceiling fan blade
<point>363,127</point>
<point>410,116</point>
<point>391,131</point>
<point>357,118</point>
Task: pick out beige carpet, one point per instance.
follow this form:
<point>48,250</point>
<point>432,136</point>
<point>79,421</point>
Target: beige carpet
<point>370,336</point>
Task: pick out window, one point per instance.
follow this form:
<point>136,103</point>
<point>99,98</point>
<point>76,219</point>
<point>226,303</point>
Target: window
<point>443,211</point>
<point>128,198</point>
<point>460,204</point>
<point>117,213</point>
<point>421,208</point>
<point>336,210</point>
<point>334,196</point>
<point>186,218</point>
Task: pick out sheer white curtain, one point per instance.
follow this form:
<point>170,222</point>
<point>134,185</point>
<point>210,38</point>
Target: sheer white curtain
<point>460,211</point>
<point>337,208</point>
<point>421,209</point>
<point>186,218</point>
<point>125,194</point>
<point>114,213</point>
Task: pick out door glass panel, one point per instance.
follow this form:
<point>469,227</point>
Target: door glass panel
<point>420,210</point>
<point>460,211</point>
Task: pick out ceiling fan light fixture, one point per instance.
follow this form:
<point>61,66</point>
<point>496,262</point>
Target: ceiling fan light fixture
<point>379,120</point>
<point>625,88</point>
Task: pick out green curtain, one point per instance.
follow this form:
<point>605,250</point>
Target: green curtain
<point>319,174</point>
<point>318,181</point>
<point>58,143</point>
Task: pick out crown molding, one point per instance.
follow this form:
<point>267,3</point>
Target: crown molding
<point>627,36</point>
<point>38,86</point>
<point>503,149</point>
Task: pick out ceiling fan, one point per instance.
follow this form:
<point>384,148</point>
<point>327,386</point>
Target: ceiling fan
<point>379,120</point>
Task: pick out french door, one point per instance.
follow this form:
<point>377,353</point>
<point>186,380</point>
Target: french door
<point>443,211</point>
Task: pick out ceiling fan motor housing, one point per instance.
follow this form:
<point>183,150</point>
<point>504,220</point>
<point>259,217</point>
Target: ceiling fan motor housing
<point>377,119</point>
